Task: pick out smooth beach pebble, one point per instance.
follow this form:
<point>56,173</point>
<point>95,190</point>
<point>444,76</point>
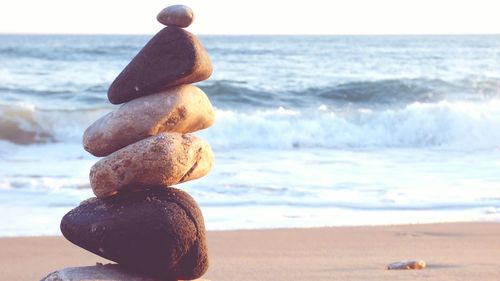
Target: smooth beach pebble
<point>182,109</point>
<point>161,160</point>
<point>158,232</point>
<point>178,15</point>
<point>413,264</point>
<point>172,57</point>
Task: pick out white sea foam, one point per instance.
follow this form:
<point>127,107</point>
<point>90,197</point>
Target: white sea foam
<point>448,125</point>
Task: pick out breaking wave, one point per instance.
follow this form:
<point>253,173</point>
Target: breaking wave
<point>26,124</point>
<point>463,125</point>
<point>445,124</point>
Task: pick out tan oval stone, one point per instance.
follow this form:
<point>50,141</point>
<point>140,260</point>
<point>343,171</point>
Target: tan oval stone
<point>178,15</point>
<point>183,109</point>
<point>161,160</point>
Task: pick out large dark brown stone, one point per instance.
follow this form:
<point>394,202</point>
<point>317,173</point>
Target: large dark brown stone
<point>158,232</point>
<point>172,57</point>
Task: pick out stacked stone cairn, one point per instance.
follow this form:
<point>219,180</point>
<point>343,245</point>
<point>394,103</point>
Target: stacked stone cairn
<point>137,219</point>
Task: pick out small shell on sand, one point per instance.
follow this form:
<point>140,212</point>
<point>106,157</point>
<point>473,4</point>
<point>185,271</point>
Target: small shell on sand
<point>412,264</point>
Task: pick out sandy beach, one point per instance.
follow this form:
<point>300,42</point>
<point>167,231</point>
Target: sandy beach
<point>453,251</point>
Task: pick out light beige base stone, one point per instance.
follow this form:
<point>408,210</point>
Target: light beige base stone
<point>110,272</point>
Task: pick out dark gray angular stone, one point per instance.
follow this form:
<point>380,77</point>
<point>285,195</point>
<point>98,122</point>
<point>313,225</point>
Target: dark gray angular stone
<point>172,57</point>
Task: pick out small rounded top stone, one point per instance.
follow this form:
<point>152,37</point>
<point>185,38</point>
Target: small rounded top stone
<point>178,15</point>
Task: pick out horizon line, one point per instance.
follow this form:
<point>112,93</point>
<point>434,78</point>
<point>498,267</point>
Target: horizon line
<point>257,34</point>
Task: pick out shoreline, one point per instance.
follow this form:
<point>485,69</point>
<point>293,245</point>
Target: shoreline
<point>453,251</point>
<point>292,226</point>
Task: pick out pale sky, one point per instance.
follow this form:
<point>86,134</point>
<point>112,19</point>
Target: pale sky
<point>256,16</point>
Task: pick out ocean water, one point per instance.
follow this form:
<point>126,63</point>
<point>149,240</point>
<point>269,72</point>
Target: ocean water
<point>310,130</point>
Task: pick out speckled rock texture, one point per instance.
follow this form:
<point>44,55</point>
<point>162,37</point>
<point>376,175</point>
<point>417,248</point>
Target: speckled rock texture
<point>182,109</point>
<point>178,15</point>
<point>158,232</point>
<point>172,57</point>
<point>161,160</point>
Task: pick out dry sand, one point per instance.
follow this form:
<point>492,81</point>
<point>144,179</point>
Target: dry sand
<point>458,251</point>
